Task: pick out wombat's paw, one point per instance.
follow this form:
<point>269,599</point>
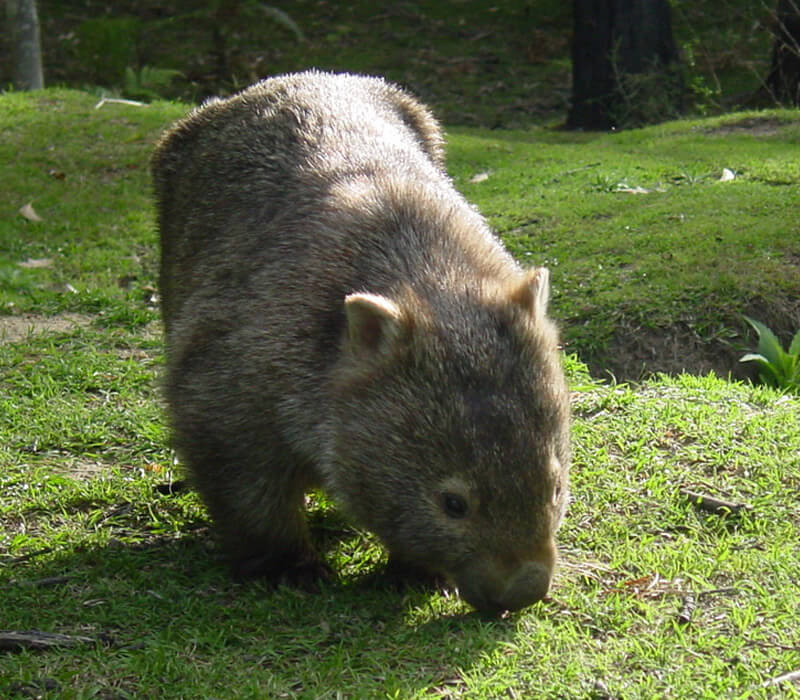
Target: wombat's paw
<point>304,574</point>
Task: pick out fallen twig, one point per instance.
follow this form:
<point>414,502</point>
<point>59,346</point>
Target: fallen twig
<point>711,504</point>
<point>35,639</point>
<point>792,676</point>
<point>688,606</point>
<point>575,170</point>
<point>29,555</point>
<point>118,101</point>
<point>49,581</point>
<point>717,591</point>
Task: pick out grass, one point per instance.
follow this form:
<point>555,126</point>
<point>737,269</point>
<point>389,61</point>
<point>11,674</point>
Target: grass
<point>655,281</point>
<point>655,597</point>
<point>680,260</point>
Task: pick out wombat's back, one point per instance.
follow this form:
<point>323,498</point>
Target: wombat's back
<point>283,140</point>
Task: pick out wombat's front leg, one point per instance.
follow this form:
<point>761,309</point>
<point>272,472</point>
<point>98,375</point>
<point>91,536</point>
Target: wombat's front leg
<point>264,532</point>
<point>297,567</point>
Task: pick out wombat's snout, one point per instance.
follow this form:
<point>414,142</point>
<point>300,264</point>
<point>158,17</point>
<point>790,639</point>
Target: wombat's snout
<point>528,584</point>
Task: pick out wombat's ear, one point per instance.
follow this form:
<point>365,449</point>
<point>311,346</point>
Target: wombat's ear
<point>533,293</point>
<point>373,322</point>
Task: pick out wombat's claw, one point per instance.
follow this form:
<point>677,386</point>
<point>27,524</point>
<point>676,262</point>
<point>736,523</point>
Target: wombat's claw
<point>306,576</point>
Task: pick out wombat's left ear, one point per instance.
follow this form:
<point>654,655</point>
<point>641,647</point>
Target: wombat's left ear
<point>374,322</point>
<point>533,293</point>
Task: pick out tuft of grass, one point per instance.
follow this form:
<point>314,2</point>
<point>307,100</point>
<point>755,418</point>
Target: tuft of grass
<point>777,367</point>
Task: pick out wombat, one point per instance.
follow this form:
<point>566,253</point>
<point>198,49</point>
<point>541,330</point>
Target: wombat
<point>338,317</point>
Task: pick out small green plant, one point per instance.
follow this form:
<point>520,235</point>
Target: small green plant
<point>604,183</point>
<point>777,367</point>
<point>148,83</point>
<point>704,96</point>
<point>689,176</point>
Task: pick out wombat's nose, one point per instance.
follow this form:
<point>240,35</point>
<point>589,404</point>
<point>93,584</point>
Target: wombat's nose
<point>530,583</point>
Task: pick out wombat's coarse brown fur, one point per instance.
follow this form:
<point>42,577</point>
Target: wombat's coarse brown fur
<point>338,316</point>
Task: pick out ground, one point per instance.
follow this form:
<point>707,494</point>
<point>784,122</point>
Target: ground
<point>498,66</point>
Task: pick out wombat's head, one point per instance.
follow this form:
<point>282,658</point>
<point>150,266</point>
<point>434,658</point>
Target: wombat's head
<point>450,434</point>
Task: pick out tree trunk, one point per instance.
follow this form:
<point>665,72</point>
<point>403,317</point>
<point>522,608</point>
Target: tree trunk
<point>783,81</point>
<point>625,65</point>
<point>24,23</point>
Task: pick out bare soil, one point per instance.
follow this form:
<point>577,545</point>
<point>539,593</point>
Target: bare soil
<point>751,125</point>
<point>16,328</point>
<point>632,357</point>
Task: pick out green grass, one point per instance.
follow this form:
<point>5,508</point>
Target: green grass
<point>85,171</point>
<point>681,262</point>
<point>91,545</point>
<point>655,281</point>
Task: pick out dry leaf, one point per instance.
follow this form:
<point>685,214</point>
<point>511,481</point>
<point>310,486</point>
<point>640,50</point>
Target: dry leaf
<point>480,177</point>
<point>30,213</point>
<point>150,296</point>
<point>727,175</point>
<point>36,262</point>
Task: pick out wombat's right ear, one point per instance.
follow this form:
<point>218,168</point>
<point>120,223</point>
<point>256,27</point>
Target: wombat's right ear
<point>373,322</point>
<point>533,293</point>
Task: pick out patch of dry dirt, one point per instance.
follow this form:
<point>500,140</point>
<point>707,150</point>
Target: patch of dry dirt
<point>16,328</point>
<point>768,126</point>
<point>152,331</point>
<point>84,470</point>
<point>634,356</point>
<point>636,353</point>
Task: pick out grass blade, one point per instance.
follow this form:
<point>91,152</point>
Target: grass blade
<point>794,348</point>
<point>768,344</point>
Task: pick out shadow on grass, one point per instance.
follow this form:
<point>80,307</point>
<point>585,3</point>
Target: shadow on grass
<point>171,596</point>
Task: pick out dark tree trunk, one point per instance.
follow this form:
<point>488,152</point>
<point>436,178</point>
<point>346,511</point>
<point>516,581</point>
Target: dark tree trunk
<point>625,65</point>
<point>24,23</point>
<point>783,81</point>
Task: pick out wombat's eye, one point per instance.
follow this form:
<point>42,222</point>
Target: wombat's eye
<point>455,506</point>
